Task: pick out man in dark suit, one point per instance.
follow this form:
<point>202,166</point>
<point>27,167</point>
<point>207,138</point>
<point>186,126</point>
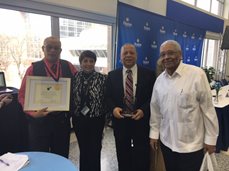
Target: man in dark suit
<point>131,114</point>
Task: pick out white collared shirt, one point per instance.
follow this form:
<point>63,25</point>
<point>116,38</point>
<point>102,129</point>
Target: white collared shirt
<point>134,70</point>
<point>182,112</point>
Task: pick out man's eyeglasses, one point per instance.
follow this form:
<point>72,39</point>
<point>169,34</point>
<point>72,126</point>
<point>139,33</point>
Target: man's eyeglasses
<point>168,53</point>
<point>56,48</point>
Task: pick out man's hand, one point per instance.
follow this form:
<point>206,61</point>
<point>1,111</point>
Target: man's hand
<point>117,112</point>
<point>40,113</point>
<point>138,114</point>
<point>209,148</point>
<point>5,99</point>
<point>154,144</point>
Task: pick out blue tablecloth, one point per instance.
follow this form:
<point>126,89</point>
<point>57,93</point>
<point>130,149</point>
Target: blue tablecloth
<point>223,138</point>
<point>43,161</point>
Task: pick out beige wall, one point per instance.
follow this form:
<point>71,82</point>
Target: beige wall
<point>108,7</point>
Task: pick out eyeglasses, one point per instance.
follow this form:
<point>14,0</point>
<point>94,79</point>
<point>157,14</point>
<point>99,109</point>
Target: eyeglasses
<point>49,47</point>
<point>169,53</point>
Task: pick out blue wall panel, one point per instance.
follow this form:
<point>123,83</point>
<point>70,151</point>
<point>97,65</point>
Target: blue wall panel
<point>190,16</point>
<point>147,31</point>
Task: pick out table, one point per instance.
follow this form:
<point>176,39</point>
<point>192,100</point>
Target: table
<point>222,110</point>
<point>44,161</point>
<point>223,98</point>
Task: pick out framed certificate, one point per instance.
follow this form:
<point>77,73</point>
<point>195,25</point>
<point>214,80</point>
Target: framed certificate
<point>44,92</point>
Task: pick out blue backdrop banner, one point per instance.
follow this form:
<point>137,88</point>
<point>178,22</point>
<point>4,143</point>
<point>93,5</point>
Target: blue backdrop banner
<point>147,31</point>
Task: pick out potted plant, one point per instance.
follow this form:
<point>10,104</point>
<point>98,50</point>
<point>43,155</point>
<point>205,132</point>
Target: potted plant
<point>210,72</point>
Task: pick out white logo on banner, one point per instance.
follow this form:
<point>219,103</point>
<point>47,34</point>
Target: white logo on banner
<point>127,22</point>
<point>187,48</point>
<point>175,32</point>
<point>185,34</point>
<point>162,30</point>
<point>194,48</point>
<point>200,38</point>
<point>146,27</point>
<point>146,61</point>
<point>188,59</point>
<point>195,58</point>
<point>193,36</point>
<point>137,43</point>
<point>154,45</point>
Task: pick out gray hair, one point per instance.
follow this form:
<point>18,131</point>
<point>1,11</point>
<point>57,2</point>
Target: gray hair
<point>128,44</point>
<point>53,38</point>
<point>174,43</point>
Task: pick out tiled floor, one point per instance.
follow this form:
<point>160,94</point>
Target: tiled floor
<point>226,152</point>
<point>108,156</point>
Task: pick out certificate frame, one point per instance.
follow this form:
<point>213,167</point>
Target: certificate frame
<point>44,92</point>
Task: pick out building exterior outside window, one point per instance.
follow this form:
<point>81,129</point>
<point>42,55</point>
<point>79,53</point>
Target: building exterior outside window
<point>22,39</point>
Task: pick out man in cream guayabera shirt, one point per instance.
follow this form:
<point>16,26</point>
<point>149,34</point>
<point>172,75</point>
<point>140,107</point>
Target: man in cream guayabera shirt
<point>182,113</point>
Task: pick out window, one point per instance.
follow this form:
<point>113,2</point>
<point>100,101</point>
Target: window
<point>214,57</point>
<point>210,53</point>
<point>205,5</point>
<point>88,36</point>
<point>192,2</point>
<point>213,6</point>
<point>72,28</point>
<point>21,42</point>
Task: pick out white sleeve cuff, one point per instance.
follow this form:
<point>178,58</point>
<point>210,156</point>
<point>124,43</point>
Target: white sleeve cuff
<point>153,134</point>
<point>210,140</point>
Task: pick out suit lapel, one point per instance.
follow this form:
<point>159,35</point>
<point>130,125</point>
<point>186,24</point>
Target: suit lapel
<point>120,82</point>
<point>139,81</point>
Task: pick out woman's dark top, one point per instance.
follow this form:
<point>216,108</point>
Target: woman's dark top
<point>88,94</point>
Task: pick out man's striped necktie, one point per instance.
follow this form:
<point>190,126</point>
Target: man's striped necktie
<point>129,91</point>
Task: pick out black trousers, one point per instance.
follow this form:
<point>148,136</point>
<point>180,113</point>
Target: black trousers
<point>89,133</point>
<point>182,161</point>
<point>50,134</point>
<point>132,144</point>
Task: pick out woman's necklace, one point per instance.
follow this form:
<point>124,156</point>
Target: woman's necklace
<point>86,80</point>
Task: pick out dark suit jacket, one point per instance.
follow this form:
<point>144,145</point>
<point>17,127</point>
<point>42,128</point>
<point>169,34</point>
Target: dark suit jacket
<point>115,90</point>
